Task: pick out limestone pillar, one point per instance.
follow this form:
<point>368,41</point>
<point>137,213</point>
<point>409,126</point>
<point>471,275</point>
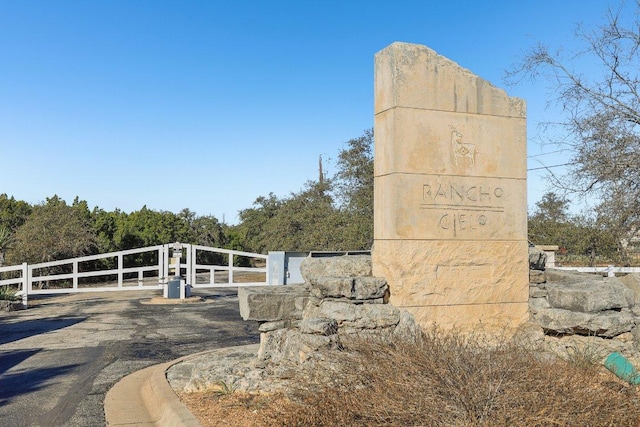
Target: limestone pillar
<point>450,204</point>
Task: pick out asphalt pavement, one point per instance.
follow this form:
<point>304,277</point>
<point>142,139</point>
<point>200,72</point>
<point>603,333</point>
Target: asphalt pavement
<point>60,357</point>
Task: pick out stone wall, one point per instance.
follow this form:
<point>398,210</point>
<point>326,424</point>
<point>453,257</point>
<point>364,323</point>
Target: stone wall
<point>581,312</point>
<point>340,302</point>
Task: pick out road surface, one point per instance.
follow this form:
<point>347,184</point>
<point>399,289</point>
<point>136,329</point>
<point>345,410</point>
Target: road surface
<point>60,357</point>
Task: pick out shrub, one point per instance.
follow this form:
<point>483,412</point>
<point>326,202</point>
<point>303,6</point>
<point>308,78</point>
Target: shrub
<point>8,294</point>
<point>447,379</point>
<point>458,380</point>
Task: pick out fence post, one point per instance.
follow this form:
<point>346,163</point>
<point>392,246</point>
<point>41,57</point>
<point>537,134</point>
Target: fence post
<point>75,275</point>
<point>231,268</point>
<point>190,258</point>
<point>193,262</point>
<point>25,285</point>
<point>120,268</point>
<point>160,264</point>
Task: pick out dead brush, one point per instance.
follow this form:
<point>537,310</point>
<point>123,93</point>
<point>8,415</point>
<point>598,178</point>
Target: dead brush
<point>455,379</point>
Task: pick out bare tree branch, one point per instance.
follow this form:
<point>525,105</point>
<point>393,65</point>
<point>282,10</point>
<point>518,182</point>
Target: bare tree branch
<point>598,89</point>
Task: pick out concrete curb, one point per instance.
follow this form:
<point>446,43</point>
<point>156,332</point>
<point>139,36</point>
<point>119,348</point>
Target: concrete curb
<point>145,398</point>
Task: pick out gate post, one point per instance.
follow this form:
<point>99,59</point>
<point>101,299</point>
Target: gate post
<point>165,265</point>
<point>231,255</point>
<point>190,261</point>
<point>25,284</point>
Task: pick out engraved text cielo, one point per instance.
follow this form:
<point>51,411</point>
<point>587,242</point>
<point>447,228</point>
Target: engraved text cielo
<point>463,205</point>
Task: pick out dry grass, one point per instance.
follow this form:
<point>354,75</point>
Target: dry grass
<point>447,380</point>
<point>234,410</point>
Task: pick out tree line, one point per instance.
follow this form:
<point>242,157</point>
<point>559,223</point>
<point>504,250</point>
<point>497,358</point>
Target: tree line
<point>330,213</point>
<point>582,238</point>
<point>596,86</point>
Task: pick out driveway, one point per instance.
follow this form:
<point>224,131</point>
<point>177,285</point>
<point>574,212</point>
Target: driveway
<point>60,357</point>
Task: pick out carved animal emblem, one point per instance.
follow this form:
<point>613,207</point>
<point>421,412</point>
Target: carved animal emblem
<point>461,149</point>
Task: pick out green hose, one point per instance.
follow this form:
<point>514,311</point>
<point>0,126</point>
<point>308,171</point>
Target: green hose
<point>620,366</point>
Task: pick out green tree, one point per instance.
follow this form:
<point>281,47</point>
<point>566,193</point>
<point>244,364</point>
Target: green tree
<point>201,230</point>
<point>147,227</point>
<point>354,187</point>
<point>255,224</point>
<point>307,221</point>
<point>207,231</point>
<point>6,237</point>
<point>53,230</point>
<point>551,224</point>
<point>13,213</point>
<point>328,214</point>
<point>105,226</point>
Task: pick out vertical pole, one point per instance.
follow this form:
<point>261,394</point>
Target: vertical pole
<point>165,257</point>
<point>160,264</point>
<point>25,284</point>
<point>190,257</point>
<point>120,267</point>
<point>231,268</point>
<point>192,264</point>
<point>75,275</point>
<point>30,279</point>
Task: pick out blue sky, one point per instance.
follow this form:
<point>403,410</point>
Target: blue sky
<point>207,105</point>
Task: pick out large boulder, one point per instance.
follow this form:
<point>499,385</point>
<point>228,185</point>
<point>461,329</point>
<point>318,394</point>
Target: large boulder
<point>354,288</point>
<point>584,304</point>
<point>590,296</point>
<point>272,303</point>
<point>336,266</point>
<point>294,346</point>
<point>632,281</point>
<point>607,324</point>
<point>355,316</point>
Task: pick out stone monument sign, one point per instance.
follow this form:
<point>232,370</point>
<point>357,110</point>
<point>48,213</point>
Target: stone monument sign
<point>450,221</point>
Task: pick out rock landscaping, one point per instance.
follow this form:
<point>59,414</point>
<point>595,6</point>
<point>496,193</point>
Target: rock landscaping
<point>339,302</point>
<point>571,314</point>
<point>572,311</point>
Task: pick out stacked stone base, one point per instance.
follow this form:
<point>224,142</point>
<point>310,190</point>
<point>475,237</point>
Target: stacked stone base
<point>339,304</point>
<point>584,314</point>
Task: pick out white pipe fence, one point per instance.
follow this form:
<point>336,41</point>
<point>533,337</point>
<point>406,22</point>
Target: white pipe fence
<point>609,270</point>
<point>229,269</point>
<point>156,265</point>
<point>23,277</point>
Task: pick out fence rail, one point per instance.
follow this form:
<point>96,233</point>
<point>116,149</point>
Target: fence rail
<point>229,269</point>
<point>162,262</point>
<point>609,270</point>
